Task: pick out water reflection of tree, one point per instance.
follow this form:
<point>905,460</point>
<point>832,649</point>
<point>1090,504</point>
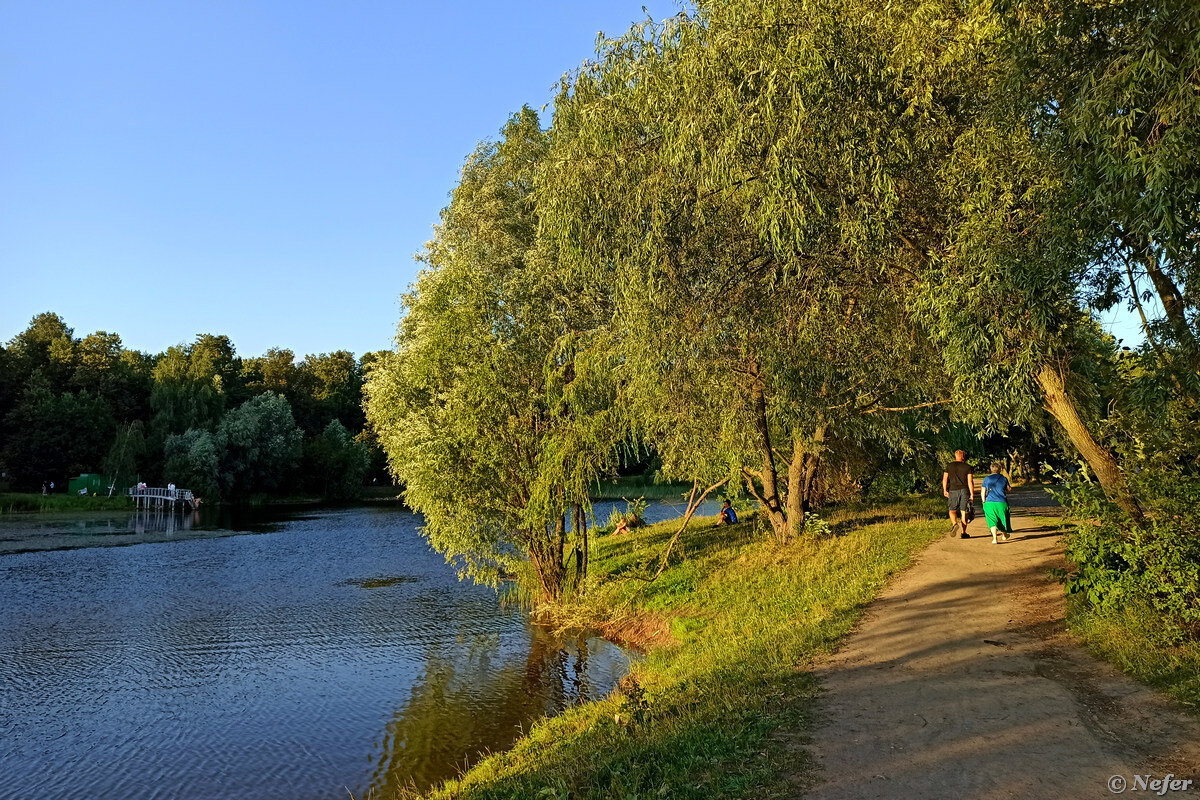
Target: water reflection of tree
<point>467,705</point>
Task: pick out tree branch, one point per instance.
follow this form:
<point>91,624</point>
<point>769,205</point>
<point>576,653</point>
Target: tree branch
<point>930,404</point>
<point>693,504</point>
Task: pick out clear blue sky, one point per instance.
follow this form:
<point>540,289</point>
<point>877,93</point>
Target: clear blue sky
<point>264,170</point>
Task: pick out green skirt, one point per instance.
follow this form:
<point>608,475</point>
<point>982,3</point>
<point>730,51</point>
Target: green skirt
<point>997,516</point>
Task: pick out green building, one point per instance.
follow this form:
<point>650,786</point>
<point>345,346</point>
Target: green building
<point>94,482</point>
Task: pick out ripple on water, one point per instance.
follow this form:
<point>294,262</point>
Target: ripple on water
<point>325,652</point>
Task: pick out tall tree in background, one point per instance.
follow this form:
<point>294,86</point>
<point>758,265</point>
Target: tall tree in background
<point>177,401</point>
<point>334,464</point>
<point>331,385</point>
<point>260,445</point>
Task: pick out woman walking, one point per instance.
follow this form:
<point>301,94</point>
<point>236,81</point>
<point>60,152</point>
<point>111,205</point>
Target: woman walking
<point>995,503</point>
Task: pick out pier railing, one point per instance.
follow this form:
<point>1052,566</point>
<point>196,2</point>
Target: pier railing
<point>154,496</point>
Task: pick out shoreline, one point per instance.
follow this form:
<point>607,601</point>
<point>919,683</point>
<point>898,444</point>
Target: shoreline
<point>729,632</point>
<point>58,502</point>
<point>37,503</point>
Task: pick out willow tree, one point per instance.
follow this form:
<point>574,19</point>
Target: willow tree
<point>1108,94</point>
<point>725,172</point>
<point>1111,90</point>
<point>899,117</point>
<point>481,409</point>
<point>1009,276</point>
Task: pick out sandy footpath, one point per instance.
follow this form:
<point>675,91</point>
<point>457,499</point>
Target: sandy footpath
<point>961,683</point>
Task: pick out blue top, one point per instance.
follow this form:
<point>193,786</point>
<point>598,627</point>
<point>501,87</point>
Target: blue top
<point>730,515</point>
<point>996,488</point>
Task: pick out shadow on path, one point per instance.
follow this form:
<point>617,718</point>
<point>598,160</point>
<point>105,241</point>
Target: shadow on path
<point>961,683</point>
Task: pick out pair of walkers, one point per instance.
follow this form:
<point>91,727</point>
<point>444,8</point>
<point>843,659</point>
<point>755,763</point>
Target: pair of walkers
<point>958,485</point>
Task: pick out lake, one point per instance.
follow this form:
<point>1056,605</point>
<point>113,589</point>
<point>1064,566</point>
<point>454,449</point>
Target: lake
<point>290,655</point>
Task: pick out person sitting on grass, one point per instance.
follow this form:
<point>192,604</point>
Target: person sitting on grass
<point>995,503</point>
<point>727,516</point>
<point>622,527</point>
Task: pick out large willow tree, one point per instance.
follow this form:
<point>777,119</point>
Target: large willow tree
<point>765,235</point>
<point>741,176</point>
<point>495,408</point>
<point>818,216</point>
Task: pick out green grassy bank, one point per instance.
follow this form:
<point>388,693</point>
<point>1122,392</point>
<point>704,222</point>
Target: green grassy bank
<point>735,622</point>
<point>20,502</point>
<point>1126,639</point>
<point>634,486</point>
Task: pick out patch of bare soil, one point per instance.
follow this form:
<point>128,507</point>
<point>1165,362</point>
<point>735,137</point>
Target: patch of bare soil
<point>962,682</point>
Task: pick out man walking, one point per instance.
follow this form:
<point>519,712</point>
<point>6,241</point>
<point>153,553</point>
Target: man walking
<point>958,485</point>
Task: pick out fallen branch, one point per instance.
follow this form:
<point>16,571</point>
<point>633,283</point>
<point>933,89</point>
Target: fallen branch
<point>693,504</point>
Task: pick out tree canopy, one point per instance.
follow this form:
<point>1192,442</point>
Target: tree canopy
<point>764,239</point>
<point>197,415</point>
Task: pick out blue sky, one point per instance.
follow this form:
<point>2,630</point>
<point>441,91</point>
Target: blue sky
<point>264,170</point>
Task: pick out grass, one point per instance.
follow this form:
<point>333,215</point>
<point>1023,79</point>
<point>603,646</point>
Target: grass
<point>634,486</point>
<point>20,502</point>
<point>711,710</point>
<point>1126,639</point>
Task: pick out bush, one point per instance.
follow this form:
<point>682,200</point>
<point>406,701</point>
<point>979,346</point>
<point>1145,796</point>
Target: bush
<point>1119,562</point>
<point>892,482</point>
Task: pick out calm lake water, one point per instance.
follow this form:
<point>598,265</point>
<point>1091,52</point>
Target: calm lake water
<point>301,656</point>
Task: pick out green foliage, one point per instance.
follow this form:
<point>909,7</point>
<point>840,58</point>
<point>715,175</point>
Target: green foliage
<point>49,435</point>
<point>1110,90</point>
<point>193,461</point>
<point>893,482</point>
<point>495,410</point>
<point>335,464</point>
<point>185,395</point>
<point>709,169</point>
<point>1155,563</point>
<point>330,389</point>
<point>72,405</point>
<point>126,455</point>
<point>261,446</point>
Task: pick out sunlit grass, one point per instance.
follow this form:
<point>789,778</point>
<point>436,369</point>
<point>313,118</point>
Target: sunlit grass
<point>1126,638</point>
<point>744,618</point>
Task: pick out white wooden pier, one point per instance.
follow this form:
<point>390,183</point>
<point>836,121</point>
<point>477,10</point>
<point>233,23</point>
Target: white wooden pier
<point>153,497</point>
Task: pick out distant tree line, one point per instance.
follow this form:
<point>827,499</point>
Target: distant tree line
<point>774,240</point>
<point>196,415</point>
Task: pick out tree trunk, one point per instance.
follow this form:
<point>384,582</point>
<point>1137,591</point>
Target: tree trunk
<point>770,480</point>
<point>1108,472</point>
<point>560,541</point>
<point>802,472</point>
<point>812,460</point>
<point>1171,299</point>
<point>581,545</point>
<point>546,553</point>
<point>795,494</point>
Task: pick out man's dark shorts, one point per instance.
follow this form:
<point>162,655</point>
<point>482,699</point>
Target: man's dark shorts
<point>959,499</point>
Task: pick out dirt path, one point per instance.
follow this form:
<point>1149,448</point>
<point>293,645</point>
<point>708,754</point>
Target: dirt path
<point>961,683</point>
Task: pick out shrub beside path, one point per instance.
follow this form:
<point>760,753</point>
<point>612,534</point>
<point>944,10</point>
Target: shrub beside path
<point>961,682</point>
